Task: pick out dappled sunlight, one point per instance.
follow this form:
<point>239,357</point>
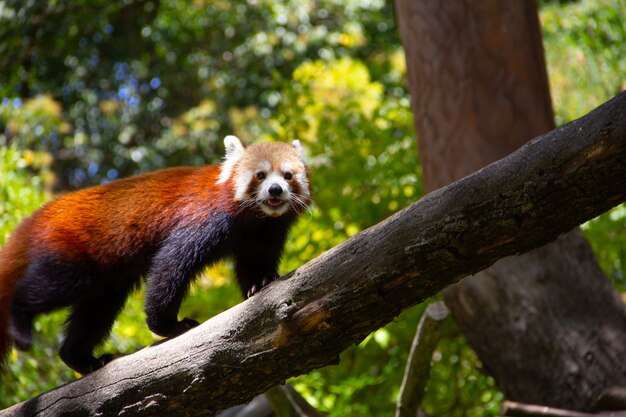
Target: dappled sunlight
<point>104,97</point>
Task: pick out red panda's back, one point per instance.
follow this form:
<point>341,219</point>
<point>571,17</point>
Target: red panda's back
<point>118,221</point>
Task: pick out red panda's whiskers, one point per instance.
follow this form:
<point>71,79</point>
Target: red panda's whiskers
<point>296,203</point>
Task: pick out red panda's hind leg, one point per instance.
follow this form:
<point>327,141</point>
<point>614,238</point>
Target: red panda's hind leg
<point>34,294</point>
<point>21,329</point>
<point>89,323</point>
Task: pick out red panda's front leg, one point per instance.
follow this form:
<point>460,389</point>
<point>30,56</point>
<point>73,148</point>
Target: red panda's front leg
<point>255,272</point>
<point>257,250</point>
<point>178,261</point>
<point>167,285</point>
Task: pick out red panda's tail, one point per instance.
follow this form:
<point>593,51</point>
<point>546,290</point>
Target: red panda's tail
<point>13,262</point>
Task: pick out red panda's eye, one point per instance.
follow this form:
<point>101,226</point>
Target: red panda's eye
<point>288,176</point>
<point>260,175</point>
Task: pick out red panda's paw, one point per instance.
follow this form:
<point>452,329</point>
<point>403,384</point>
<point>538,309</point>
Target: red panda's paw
<point>22,343</point>
<point>182,326</point>
<point>86,366</point>
<point>169,328</point>
<point>103,360</point>
<point>21,333</point>
<point>260,284</point>
<point>188,324</point>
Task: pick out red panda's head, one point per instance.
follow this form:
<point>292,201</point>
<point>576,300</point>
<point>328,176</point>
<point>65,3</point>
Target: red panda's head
<point>269,176</point>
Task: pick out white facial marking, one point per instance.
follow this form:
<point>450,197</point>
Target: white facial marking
<point>274,178</point>
<point>275,212</point>
<point>242,166</point>
<point>242,183</point>
<point>304,184</point>
<point>264,166</point>
<point>241,186</point>
<point>286,167</point>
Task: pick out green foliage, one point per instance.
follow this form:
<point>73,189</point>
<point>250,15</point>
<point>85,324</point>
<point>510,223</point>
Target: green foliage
<point>585,43</point>
<point>471,393</point>
<point>367,380</point>
<point>607,235</point>
<point>123,82</point>
<point>337,100</point>
<point>112,96</point>
<point>22,192</point>
<point>586,52</point>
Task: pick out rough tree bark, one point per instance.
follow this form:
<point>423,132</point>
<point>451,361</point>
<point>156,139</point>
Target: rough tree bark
<point>547,326</point>
<point>305,321</point>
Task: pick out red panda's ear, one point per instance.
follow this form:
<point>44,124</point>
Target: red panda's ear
<point>296,144</point>
<point>234,152</point>
<point>234,148</point>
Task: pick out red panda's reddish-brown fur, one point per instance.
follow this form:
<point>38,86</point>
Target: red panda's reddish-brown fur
<point>80,225</point>
<point>13,262</point>
<point>89,248</point>
<point>141,209</point>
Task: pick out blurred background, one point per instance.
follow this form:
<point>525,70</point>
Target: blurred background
<point>94,90</point>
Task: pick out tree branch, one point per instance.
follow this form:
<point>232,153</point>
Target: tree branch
<point>515,409</point>
<point>418,365</point>
<point>306,319</point>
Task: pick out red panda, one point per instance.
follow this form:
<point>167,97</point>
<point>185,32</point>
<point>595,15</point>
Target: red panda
<point>90,248</point>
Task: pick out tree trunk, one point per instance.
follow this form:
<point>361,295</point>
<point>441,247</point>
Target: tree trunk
<point>548,326</point>
<point>303,321</point>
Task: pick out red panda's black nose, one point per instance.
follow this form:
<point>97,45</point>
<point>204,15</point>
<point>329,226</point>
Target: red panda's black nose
<point>275,190</point>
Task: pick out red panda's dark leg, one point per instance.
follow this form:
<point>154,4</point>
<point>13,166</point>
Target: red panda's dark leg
<point>89,323</point>
<point>181,257</point>
<point>163,299</point>
<point>50,283</point>
<point>167,286</point>
<point>43,288</point>
<point>257,250</point>
<point>254,271</point>
<point>20,329</point>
